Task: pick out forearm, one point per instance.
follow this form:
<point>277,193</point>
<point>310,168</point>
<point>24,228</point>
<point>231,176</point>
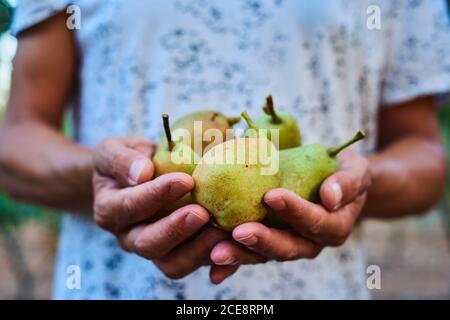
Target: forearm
<point>408,177</point>
<point>40,165</point>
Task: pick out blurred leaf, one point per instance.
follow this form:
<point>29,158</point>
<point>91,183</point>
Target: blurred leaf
<point>13,213</point>
<point>5,15</point>
<point>444,122</point>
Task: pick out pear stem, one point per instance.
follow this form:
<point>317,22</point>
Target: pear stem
<point>249,121</point>
<point>233,120</point>
<point>214,116</point>
<point>333,152</point>
<point>269,109</point>
<point>166,124</point>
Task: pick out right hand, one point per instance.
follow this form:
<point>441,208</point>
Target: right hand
<point>126,199</point>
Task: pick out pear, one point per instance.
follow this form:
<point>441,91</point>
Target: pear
<point>173,157</point>
<point>232,178</point>
<point>303,169</point>
<point>289,131</point>
<point>209,120</point>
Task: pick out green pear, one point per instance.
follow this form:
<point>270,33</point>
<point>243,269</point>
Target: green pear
<point>288,130</point>
<point>232,178</point>
<point>173,157</point>
<point>209,120</point>
<point>303,169</point>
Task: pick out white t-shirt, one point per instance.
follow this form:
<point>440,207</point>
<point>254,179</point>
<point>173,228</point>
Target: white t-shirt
<point>319,59</point>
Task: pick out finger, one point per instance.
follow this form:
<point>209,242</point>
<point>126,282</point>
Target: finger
<point>228,253</point>
<point>116,159</point>
<point>273,243</point>
<point>144,146</point>
<point>157,239</point>
<point>346,185</point>
<point>218,274</point>
<point>310,220</point>
<point>189,256</point>
<point>117,210</point>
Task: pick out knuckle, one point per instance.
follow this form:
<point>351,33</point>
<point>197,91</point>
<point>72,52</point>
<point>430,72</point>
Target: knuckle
<point>156,192</point>
<point>101,221</point>
<point>129,205</point>
<point>175,233</point>
<point>343,234</point>
<point>143,248</point>
<point>101,215</point>
<point>338,241</point>
<point>105,145</point>
<point>344,230</point>
<point>170,271</point>
<point>292,254</point>
<point>116,162</point>
<point>313,253</point>
<point>316,226</point>
<point>173,274</point>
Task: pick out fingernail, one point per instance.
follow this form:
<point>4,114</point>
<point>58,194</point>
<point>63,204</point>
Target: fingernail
<point>135,171</point>
<point>193,220</point>
<point>277,204</point>
<point>249,240</point>
<point>228,262</point>
<point>337,190</point>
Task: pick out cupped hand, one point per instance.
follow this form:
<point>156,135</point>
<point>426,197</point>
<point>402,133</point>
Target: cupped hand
<point>313,226</point>
<point>126,199</point>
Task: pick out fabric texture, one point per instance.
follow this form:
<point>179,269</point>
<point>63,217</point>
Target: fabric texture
<point>319,60</point>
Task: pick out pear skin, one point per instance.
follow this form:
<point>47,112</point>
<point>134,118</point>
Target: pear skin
<point>304,169</point>
<point>210,120</point>
<point>186,158</point>
<point>232,190</point>
<point>289,135</point>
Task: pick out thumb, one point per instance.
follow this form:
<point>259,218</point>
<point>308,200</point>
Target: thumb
<point>124,160</point>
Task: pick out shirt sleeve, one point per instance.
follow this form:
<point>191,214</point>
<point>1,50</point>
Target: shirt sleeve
<point>419,54</point>
<point>28,13</point>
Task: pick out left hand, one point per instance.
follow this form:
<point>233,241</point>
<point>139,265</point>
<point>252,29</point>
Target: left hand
<point>314,226</point>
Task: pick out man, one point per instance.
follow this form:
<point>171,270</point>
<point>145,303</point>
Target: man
<point>132,60</point>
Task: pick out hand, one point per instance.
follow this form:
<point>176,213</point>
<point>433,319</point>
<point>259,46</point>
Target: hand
<point>314,226</point>
<point>126,199</point>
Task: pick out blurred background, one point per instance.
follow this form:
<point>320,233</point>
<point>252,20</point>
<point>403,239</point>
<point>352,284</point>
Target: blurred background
<point>413,253</point>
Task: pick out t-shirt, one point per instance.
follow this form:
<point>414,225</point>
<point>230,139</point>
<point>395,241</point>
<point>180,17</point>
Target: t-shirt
<point>333,64</point>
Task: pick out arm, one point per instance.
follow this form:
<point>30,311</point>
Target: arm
<point>111,182</point>
<point>409,171</point>
<point>37,163</point>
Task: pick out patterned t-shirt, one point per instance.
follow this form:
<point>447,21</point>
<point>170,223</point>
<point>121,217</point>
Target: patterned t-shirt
<point>330,63</point>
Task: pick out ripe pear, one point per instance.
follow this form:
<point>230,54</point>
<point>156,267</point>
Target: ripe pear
<point>232,178</point>
<point>289,132</point>
<point>303,169</point>
<point>173,157</point>
<point>209,120</point>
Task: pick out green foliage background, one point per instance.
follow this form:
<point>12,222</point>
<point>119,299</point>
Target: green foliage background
<point>5,15</point>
